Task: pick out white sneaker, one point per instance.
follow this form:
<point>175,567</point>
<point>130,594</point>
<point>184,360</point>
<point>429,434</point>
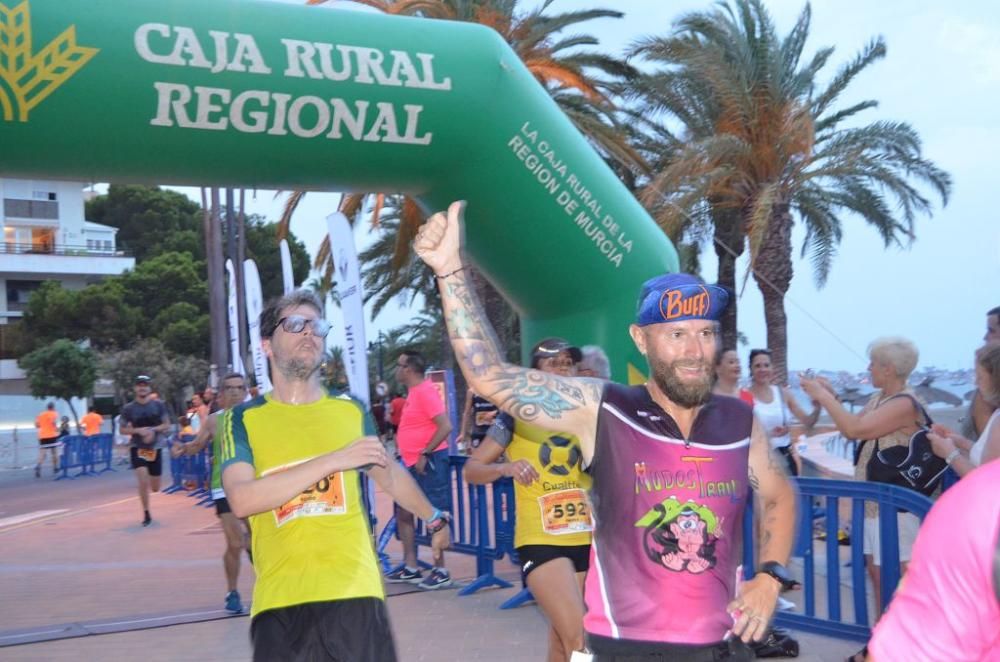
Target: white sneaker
<point>785,605</point>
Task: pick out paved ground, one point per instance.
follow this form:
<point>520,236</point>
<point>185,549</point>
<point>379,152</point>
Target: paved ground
<point>87,558</point>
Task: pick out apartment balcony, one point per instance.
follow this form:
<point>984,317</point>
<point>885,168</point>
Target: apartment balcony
<point>44,261</point>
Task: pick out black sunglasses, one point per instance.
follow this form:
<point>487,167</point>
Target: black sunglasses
<point>298,323</point>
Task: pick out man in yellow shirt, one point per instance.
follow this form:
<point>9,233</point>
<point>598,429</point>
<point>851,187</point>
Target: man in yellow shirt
<point>291,462</point>
<point>92,422</point>
<point>48,438</point>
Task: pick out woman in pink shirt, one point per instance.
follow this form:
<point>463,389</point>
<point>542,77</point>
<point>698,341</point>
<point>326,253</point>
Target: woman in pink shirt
<point>948,605</point>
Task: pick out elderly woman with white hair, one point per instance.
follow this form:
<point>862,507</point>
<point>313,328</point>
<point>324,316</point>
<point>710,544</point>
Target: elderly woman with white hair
<point>889,419</point>
<point>594,363</point>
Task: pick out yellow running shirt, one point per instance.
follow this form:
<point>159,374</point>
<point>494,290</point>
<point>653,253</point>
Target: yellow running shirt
<point>318,546</point>
<point>553,510</point>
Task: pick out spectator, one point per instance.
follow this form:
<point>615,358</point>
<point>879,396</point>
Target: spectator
<point>772,404</point>
<point>477,417</point>
<point>949,606</point>
<point>396,411</point>
<point>422,439</point>
<point>198,412</point>
<point>92,422</point>
<point>48,438</point>
<point>184,423</point>
<point>979,410</point>
<point>378,413</point>
<point>64,427</point>
<point>594,363</point>
<point>727,376</point>
<point>890,418</point>
<point>960,453</point>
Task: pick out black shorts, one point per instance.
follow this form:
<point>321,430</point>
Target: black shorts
<point>533,556</point>
<point>606,649</point>
<point>355,630</point>
<point>222,506</point>
<point>50,442</point>
<point>155,467</point>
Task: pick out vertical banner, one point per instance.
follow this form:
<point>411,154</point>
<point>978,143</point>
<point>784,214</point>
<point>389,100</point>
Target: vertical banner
<point>254,301</point>
<point>351,305</point>
<point>287,279</point>
<point>444,380</point>
<point>234,335</point>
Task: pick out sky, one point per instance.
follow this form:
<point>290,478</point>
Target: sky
<point>941,75</point>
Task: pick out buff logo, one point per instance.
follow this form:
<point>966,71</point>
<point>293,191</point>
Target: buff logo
<point>676,304</point>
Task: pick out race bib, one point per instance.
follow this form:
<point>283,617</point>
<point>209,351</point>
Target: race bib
<point>325,497</point>
<point>485,418</point>
<point>147,454</point>
<point>566,511</point>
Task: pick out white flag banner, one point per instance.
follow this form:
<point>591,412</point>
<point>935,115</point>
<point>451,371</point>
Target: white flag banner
<point>345,258</point>
<point>287,279</point>
<point>255,303</point>
<point>234,334</point>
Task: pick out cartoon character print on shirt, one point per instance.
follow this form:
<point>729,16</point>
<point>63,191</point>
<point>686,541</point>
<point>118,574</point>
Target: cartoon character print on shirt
<point>681,536</point>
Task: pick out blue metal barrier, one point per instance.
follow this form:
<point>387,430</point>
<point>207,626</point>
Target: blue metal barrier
<point>84,454</point>
<point>195,469</point>
<point>891,499</point>
<point>473,530</point>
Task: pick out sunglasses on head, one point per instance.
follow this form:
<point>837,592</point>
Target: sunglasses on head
<point>297,324</point>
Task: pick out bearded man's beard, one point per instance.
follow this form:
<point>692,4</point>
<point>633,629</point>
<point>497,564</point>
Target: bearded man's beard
<point>295,369</point>
<point>685,394</point>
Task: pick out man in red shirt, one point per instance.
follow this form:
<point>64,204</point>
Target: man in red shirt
<point>396,412</point>
<point>422,441</point>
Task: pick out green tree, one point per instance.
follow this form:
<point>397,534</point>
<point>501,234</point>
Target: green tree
<point>149,219</point>
<point>172,373</point>
<point>764,144</point>
<point>98,313</point>
<point>262,247</point>
<point>61,369</point>
<point>163,280</point>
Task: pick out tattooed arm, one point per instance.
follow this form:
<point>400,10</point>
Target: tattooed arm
<point>755,604</point>
<point>550,401</point>
<point>768,479</point>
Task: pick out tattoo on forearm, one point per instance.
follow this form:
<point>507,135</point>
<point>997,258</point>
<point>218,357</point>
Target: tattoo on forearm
<point>526,394</point>
<point>463,326</point>
<point>530,393</point>
<point>479,358</point>
<point>754,481</point>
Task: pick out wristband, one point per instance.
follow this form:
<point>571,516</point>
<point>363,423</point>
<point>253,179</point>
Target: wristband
<point>952,456</point>
<point>437,521</point>
<point>450,273</point>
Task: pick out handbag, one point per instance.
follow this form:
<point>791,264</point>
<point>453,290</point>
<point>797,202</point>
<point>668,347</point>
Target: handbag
<point>914,466</point>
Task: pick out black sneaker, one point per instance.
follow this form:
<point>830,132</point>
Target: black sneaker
<point>147,520</point>
<point>38,471</point>
<point>404,575</point>
<point>437,578</point>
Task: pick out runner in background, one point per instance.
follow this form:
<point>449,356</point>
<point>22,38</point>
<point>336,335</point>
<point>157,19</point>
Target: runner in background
<point>236,531</point>
<point>552,534</point>
<point>48,438</point>
<point>146,420</point>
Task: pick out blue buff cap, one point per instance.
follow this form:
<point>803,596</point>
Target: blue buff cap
<point>679,297</point>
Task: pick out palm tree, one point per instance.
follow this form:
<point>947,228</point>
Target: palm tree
<point>763,145</point>
<point>579,79</point>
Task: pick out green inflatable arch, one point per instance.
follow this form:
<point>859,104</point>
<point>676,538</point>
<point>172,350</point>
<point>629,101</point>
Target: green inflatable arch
<point>265,95</point>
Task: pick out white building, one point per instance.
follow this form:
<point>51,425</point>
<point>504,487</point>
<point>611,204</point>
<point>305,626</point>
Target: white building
<point>45,237</point>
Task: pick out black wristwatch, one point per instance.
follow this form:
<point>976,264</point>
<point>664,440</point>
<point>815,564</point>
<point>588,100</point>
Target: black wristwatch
<point>780,573</point>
